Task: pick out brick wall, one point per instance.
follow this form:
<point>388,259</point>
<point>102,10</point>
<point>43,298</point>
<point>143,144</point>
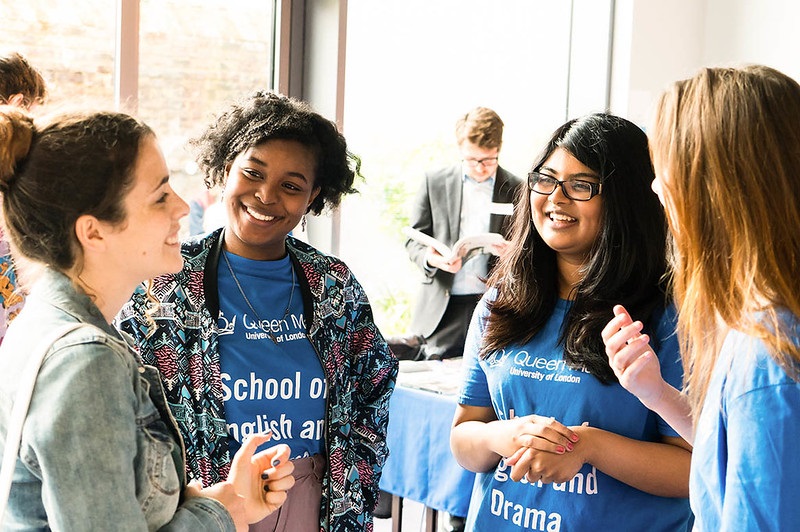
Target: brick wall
<point>195,56</point>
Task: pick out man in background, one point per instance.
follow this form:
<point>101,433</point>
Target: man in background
<point>23,86</point>
<point>469,198</point>
<point>472,197</point>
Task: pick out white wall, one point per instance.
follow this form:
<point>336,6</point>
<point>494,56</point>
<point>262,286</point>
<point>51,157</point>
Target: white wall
<point>658,42</point>
<point>655,43</point>
<point>747,31</point>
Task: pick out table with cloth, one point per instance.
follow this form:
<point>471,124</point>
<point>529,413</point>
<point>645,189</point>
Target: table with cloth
<point>420,465</point>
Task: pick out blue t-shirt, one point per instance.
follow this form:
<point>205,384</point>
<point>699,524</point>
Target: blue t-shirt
<point>268,384</point>
<point>745,471</point>
<point>534,379</point>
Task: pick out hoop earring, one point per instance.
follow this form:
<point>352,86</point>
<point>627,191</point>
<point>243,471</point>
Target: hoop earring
<point>303,223</point>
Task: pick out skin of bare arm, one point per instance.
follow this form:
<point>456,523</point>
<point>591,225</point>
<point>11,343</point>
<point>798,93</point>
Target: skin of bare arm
<point>638,370</point>
<point>658,468</point>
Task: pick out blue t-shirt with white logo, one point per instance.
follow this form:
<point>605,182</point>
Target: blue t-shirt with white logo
<point>745,474</point>
<point>534,379</point>
<point>272,378</point>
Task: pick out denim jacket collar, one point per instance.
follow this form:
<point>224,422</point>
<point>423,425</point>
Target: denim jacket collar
<point>59,290</point>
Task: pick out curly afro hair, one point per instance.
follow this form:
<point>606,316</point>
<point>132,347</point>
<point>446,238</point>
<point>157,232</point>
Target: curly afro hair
<point>265,115</point>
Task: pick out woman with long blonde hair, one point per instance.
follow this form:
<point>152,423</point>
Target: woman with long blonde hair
<point>726,150</point>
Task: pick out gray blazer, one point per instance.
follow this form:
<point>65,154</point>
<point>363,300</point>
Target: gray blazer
<point>437,212</point>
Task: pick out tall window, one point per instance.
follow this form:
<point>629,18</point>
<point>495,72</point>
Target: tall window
<point>195,56</point>
<point>414,67</point>
<point>71,43</point>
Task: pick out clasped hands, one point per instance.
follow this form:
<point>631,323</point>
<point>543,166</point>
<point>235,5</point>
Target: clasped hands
<point>257,483</point>
<point>541,448</point>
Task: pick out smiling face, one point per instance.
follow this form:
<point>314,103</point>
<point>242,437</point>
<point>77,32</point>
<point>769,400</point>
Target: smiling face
<point>146,243</point>
<point>568,227</point>
<point>268,190</point>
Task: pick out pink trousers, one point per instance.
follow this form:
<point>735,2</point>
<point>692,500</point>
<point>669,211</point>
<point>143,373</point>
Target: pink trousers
<point>300,512</point>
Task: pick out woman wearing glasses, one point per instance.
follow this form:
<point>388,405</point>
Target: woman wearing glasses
<point>542,417</point>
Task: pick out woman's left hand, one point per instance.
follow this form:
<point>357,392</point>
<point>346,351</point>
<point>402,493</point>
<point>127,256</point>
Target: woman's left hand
<point>632,359</point>
<point>537,465</point>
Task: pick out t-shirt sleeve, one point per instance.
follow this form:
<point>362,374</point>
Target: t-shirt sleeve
<point>474,388</point>
<point>761,481</point>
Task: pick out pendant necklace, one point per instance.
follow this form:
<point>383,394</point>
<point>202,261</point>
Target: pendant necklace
<point>246,300</point>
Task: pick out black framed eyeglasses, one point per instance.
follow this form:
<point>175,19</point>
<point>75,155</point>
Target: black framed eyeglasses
<point>486,162</point>
<point>574,189</point>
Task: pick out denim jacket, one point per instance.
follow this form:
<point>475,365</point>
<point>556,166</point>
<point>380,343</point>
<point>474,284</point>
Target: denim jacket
<point>180,336</point>
<point>99,449</point>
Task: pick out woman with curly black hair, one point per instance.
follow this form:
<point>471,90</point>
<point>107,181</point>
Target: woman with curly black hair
<point>262,331</point>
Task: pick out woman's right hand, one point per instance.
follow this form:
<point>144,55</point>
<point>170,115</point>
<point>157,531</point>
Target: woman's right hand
<point>533,432</point>
<point>479,440</point>
<point>256,485</point>
<point>632,359</point>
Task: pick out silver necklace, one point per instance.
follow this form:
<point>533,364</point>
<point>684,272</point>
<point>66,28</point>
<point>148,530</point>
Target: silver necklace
<point>246,300</point>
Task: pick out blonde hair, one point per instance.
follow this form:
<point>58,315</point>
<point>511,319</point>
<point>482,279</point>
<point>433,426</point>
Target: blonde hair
<point>726,144</point>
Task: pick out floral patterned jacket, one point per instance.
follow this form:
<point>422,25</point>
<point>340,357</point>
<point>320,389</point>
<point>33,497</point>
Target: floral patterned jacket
<point>11,298</point>
<point>179,335</point>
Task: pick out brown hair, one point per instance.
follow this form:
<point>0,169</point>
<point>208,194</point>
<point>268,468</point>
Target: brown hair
<point>52,173</point>
<point>17,76</point>
<point>481,127</point>
<point>726,143</point>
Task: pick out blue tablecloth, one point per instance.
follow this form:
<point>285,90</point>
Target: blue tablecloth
<point>420,466</point>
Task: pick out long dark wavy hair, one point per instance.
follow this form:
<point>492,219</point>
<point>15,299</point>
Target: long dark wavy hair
<point>626,264</point>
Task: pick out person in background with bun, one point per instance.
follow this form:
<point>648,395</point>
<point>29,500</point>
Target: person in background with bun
<point>23,86</point>
<point>88,196</point>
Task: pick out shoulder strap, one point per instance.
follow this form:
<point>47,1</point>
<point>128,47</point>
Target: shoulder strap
<point>20,410</point>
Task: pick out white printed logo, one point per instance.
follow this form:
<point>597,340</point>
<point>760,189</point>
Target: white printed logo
<point>225,326</point>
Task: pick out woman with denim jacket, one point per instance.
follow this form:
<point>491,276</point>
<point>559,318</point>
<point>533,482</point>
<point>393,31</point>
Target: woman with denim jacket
<point>261,329</point>
<point>88,195</point>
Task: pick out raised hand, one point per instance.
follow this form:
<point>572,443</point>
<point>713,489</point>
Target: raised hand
<point>261,479</point>
<point>638,370</point>
<point>632,359</point>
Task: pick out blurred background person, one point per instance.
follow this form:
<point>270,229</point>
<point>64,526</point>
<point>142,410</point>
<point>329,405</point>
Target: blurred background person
<point>452,203</point>
<point>455,202</point>
<point>23,86</point>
